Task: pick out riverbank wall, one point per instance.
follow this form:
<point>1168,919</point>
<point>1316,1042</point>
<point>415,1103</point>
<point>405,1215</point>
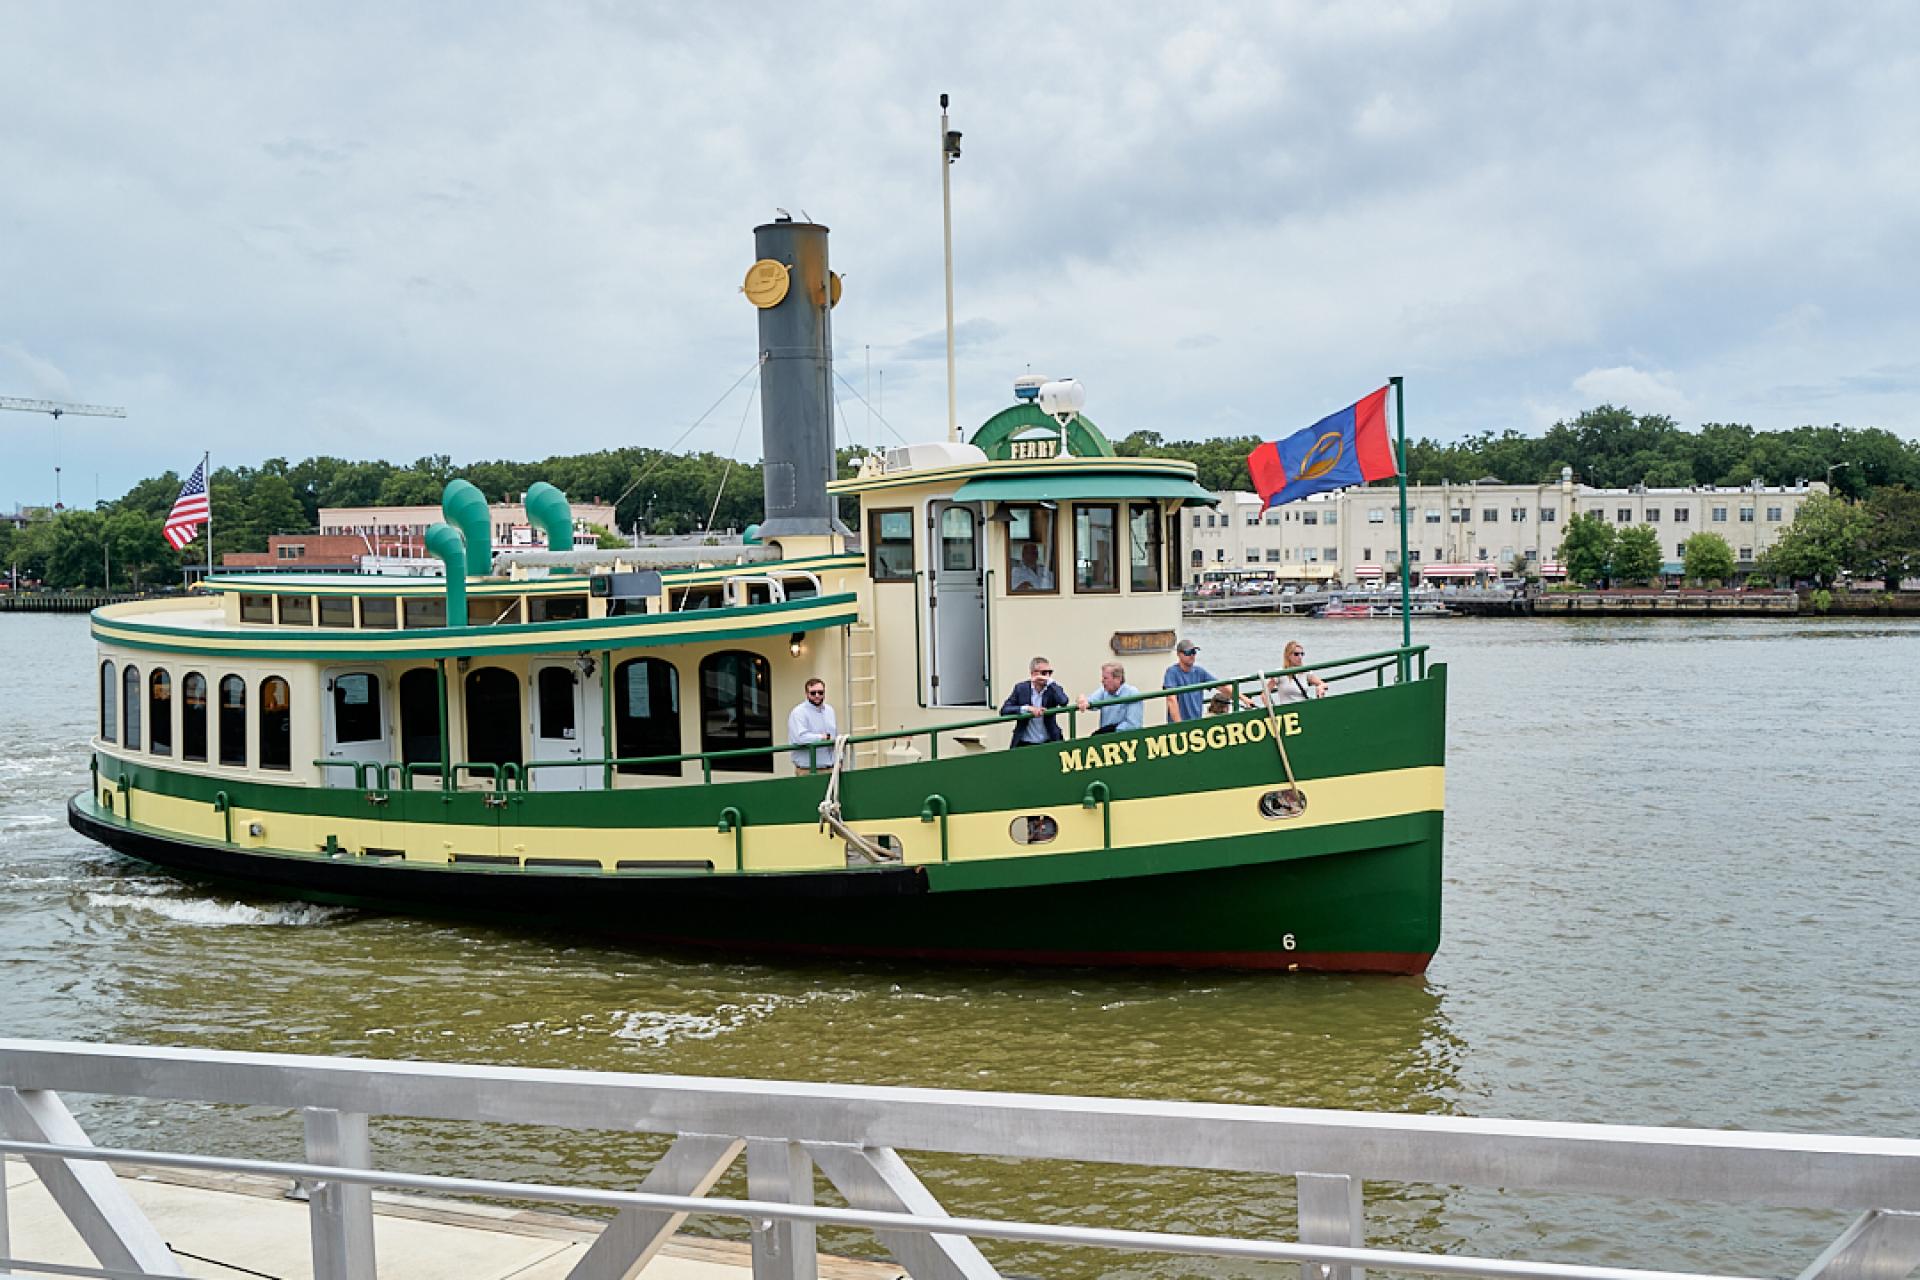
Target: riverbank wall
<point>61,601</point>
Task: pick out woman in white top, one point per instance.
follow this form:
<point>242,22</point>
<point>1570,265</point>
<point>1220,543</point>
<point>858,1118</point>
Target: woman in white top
<point>1296,688</point>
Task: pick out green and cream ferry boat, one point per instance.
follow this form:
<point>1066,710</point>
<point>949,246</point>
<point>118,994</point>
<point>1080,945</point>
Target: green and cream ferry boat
<point>595,740</point>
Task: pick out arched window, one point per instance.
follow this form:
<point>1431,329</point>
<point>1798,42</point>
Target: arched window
<point>646,714</point>
<point>276,724</point>
<point>109,701</point>
<point>193,716</point>
<point>493,716</point>
<point>736,708</point>
<point>160,713</point>
<point>130,708</point>
<point>233,721</point>
<point>420,716</point>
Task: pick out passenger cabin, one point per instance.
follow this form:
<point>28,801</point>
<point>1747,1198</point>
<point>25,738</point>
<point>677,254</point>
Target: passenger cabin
<point>976,558</point>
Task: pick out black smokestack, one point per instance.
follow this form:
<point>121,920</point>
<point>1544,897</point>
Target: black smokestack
<point>796,383</point>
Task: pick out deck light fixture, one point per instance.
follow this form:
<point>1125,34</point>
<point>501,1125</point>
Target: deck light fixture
<point>797,643</point>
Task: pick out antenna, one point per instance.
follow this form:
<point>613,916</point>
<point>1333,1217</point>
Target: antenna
<point>59,410</point>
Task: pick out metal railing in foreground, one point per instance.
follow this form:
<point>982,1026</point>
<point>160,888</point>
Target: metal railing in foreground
<point>853,1135</point>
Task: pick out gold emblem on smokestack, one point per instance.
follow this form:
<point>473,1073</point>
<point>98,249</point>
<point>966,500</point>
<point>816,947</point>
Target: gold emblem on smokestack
<point>767,283</point>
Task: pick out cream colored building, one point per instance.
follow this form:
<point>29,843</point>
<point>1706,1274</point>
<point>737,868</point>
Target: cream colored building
<point>1458,528</point>
<point>398,531</point>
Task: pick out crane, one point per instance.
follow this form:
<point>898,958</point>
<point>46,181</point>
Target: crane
<point>58,410</point>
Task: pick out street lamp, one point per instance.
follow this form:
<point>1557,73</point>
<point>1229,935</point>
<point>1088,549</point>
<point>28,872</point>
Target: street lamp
<point>1833,467</point>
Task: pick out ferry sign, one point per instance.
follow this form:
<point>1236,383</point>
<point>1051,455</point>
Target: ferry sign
<point>1045,447</point>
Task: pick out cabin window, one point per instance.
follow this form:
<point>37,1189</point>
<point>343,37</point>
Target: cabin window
<point>160,713</point>
<point>296,611</point>
<point>1096,549</point>
<point>701,598</point>
<point>556,608</point>
<point>130,708</point>
<point>892,545</point>
<point>426,611</point>
<point>554,689</point>
<point>276,724</point>
<point>109,701</point>
<point>493,716</point>
<point>356,708</point>
<point>336,611</point>
<point>233,721</point>
<point>193,717</point>
<point>958,547</point>
<point>256,608</point>
<point>378,613</point>
<point>1030,549</point>
<point>1143,546</point>
<point>420,716</point>
<point>736,708</point>
<point>1173,549</point>
<point>646,714</point>
<point>489,611</point>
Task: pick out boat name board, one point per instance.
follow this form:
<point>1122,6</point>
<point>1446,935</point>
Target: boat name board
<point>1213,737</point>
<point>1141,641</point>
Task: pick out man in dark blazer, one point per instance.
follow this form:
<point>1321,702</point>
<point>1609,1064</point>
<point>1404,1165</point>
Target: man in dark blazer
<point>1035,698</point>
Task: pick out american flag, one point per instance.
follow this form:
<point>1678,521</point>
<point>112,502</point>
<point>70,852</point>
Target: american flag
<point>189,509</point>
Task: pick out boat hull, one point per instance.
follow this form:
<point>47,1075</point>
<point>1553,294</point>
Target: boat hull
<point>1166,853</point>
<point>1370,910</point>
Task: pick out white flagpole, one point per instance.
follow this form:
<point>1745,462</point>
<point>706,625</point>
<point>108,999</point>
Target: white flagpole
<point>206,474</point>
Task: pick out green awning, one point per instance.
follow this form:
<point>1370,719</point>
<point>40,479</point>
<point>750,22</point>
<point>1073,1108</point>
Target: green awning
<point>1071,486</point>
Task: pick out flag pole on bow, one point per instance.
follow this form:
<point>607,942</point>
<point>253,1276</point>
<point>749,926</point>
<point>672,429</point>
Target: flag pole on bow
<point>1406,585</point>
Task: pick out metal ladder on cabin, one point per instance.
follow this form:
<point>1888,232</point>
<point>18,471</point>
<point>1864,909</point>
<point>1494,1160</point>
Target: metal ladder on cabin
<point>863,690</point>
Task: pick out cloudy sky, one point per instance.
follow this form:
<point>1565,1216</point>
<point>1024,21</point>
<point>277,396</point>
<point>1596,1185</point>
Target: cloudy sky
<point>492,229</point>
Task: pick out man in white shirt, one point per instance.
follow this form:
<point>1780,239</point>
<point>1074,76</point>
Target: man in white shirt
<point>813,721</point>
<point>1028,573</point>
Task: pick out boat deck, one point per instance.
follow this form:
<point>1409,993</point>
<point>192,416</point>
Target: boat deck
<point>220,1223</point>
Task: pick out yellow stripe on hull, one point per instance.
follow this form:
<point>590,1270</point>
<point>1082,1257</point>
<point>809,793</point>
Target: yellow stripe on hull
<point>1138,823</point>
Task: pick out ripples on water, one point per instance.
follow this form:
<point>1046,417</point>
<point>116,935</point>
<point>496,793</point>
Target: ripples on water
<point>1682,888</point>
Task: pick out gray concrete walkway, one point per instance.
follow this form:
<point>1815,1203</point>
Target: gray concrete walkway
<point>242,1225</point>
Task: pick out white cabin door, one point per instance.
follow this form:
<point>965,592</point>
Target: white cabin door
<point>958,605</point>
<point>355,712</point>
<point>565,723</point>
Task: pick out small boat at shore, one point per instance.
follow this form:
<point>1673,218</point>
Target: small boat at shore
<point>595,740</point>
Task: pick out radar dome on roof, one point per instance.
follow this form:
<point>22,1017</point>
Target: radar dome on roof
<point>1027,386</point>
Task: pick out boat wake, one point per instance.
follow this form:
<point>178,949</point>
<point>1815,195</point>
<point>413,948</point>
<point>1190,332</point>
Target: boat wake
<point>208,913</point>
<point>657,1028</point>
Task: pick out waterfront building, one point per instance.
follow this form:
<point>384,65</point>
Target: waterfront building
<point>400,531</point>
<point>1476,529</point>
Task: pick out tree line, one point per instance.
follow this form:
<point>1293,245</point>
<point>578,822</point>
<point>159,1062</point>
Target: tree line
<point>657,492</point>
<point>1609,447</point>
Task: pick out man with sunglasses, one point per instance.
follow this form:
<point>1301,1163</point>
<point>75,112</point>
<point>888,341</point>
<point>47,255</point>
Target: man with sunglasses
<point>1035,699</point>
<point>813,721</point>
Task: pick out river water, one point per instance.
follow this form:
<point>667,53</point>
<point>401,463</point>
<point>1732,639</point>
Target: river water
<point>1683,888</point>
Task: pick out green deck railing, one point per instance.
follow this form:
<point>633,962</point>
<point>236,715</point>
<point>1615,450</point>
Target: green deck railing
<point>1406,663</point>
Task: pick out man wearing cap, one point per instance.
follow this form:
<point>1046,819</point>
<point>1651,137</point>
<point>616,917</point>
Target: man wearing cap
<point>1186,673</point>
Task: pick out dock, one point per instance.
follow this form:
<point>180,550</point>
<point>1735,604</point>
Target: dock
<point>227,1225</point>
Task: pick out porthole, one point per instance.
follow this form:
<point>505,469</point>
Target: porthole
<point>1034,828</point>
<point>1288,802</point>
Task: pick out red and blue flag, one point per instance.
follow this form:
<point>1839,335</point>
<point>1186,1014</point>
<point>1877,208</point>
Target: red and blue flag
<point>1342,449</point>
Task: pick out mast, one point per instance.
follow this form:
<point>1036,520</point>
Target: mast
<point>949,152</point>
